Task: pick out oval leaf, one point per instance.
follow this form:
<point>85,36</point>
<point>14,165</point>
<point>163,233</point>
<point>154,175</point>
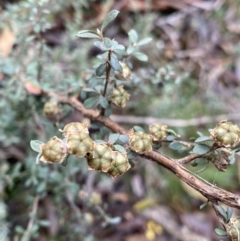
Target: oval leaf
<point>133,36</point>
<point>220,232</point>
<point>91,102</point>
<point>144,41</point>
<point>109,18</point>
<point>124,139</point>
<point>36,145</point>
<point>87,34</point>
<point>201,149</point>
<point>203,138</point>
<point>103,102</point>
<point>141,56</point>
<point>115,64</point>
<point>120,148</point>
<point>113,137</point>
<point>100,70</point>
<point>138,128</point>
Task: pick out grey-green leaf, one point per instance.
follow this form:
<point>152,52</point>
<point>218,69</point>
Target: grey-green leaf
<point>103,102</point>
<point>140,56</point>
<point>138,128</point>
<point>87,34</point>
<point>109,18</point>
<point>229,213</point>
<point>120,148</point>
<point>115,64</point>
<point>144,41</point>
<point>91,102</point>
<point>232,159</point>
<point>124,139</point>
<point>100,70</point>
<point>220,232</point>
<point>203,138</point>
<point>36,145</point>
<point>133,36</point>
<point>178,146</point>
<point>201,149</point>
<point>222,212</point>
<point>113,137</point>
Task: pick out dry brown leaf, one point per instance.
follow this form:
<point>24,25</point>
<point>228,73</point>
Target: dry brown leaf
<point>7,39</point>
<point>32,88</point>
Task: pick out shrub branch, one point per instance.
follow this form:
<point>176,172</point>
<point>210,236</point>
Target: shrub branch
<point>210,191</point>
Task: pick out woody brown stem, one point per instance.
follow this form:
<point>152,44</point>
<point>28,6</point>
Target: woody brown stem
<point>210,191</point>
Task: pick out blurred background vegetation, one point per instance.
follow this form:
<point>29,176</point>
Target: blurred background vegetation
<point>190,82</point>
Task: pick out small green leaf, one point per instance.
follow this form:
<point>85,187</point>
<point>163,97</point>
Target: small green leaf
<point>100,70</point>
<point>220,232</point>
<point>106,44</point>
<point>91,102</point>
<point>130,50</point>
<point>229,213</point>
<point>172,132</point>
<point>133,36</point>
<point>115,64</point>
<point>140,56</point>
<point>124,139</point>
<point>203,205</point>
<point>178,146</point>
<point>201,149</point>
<point>87,34</point>
<point>222,212</point>
<point>144,41</point>
<point>232,159</point>
<point>170,138</point>
<point>120,148</point>
<point>138,128</point>
<point>198,161</point>
<point>131,154</point>
<point>202,139</point>
<point>103,102</point>
<point>113,137</point>
<point>89,90</point>
<point>44,223</point>
<point>36,145</point>
<point>200,133</point>
<point>109,18</point>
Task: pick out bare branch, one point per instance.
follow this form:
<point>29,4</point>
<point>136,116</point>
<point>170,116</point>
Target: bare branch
<point>175,122</point>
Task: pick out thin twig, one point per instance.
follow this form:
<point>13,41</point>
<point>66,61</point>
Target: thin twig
<point>174,122</point>
<point>27,232</point>
<point>108,69</point>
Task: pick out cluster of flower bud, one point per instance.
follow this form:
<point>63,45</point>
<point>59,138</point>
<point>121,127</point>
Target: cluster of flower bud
<point>226,134</point>
<point>141,142</point>
<point>119,96</point>
<point>77,142</point>
<point>50,109</point>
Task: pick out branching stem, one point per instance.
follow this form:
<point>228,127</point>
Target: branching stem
<point>108,69</point>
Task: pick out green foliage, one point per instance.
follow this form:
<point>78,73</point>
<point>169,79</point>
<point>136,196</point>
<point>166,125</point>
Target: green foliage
<point>70,68</point>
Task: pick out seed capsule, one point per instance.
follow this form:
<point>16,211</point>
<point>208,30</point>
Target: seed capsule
<point>158,131</point>
<point>74,128</point>
<point>126,72</point>
<point>119,96</point>
<point>226,134</point>
<point>100,158</point>
<point>234,229</point>
<point>79,144</point>
<point>119,164</point>
<point>140,142</point>
<point>54,151</point>
<point>50,109</point>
